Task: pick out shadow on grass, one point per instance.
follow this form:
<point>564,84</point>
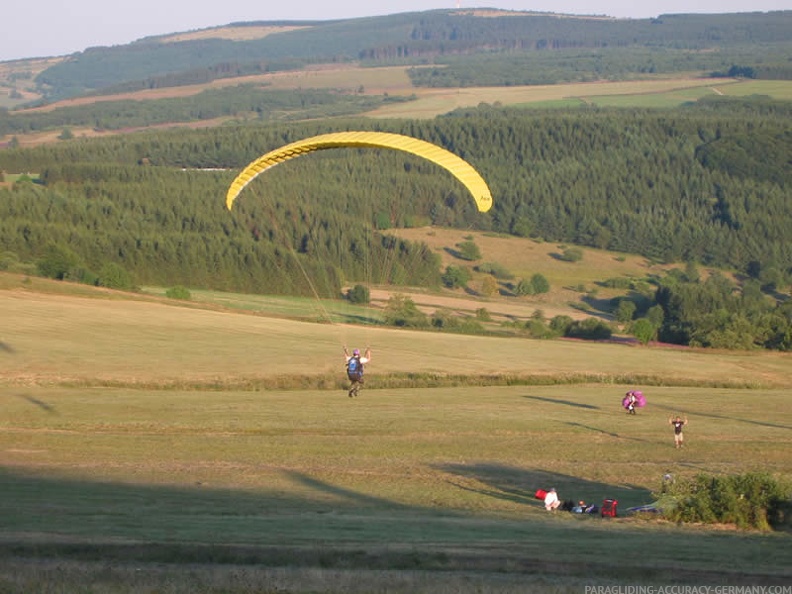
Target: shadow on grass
<point>360,319</point>
<point>6,347</point>
<point>348,496</point>
<point>85,527</point>
<point>608,433</point>
<point>698,413</point>
<point>519,485</point>
<point>40,403</point>
<point>564,402</point>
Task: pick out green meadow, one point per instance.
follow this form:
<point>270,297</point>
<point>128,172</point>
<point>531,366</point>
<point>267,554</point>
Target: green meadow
<point>149,445</point>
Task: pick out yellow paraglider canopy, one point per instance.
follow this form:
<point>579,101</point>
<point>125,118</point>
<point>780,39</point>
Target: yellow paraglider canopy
<point>460,168</point>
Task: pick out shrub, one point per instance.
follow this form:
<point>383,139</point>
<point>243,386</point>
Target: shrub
<point>455,276</point>
<point>178,292</point>
<point>115,276</point>
<point>489,286</point>
<point>560,324</point>
<point>497,270</point>
<point>57,261</point>
<point>483,314</point>
<point>751,500</point>
<point>523,287</point>
<point>539,284</point>
<point>618,282</point>
<point>470,325</point>
<point>402,311</point>
<point>590,328</point>
<point>573,254</point>
<point>359,294</point>
<point>536,285</point>
<point>538,329</point>
<point>468,250</point>
<point>444,318</point>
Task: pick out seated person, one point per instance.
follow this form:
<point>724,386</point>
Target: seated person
<point>551,500</point>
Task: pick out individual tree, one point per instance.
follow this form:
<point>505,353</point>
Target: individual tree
<point>643,330</point>
<point>539,284</point>
<point>625,311</point>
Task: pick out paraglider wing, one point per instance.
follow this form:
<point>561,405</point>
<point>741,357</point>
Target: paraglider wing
<point>640,399</point>
<point>457,166</point>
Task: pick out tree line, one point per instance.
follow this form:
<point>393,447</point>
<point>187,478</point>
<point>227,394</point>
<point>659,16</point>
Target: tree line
<point>585,64</point>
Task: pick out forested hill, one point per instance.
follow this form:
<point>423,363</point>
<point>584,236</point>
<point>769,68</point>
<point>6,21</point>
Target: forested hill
<point>696,185</point>
<point>675,42</point>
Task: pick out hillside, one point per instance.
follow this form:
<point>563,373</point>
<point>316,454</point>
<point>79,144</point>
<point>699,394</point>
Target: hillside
<point>472,48</point>
<point>413,65</point>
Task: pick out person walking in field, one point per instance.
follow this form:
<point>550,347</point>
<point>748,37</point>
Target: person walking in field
<point>354,367</point>
<point>631,400</point>
<point>677,423</point>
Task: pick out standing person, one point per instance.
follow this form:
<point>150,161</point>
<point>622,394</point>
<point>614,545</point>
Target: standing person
<point>354,367</point>
<point>678,423</point>
<point>631,401</point>
<point>551,500</point>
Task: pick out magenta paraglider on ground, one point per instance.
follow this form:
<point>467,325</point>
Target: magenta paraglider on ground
<point>633,399</point>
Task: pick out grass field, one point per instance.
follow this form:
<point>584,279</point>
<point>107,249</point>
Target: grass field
<point>654,93</point>
<point>146,446</point>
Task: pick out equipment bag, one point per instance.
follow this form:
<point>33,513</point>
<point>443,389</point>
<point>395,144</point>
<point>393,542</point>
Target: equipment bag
<point>609,508</point>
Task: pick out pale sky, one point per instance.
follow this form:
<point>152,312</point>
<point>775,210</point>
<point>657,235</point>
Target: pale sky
<point>59,27</point>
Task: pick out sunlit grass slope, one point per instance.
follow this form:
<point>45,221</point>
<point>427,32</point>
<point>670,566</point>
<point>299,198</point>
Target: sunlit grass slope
<point>58,339</point>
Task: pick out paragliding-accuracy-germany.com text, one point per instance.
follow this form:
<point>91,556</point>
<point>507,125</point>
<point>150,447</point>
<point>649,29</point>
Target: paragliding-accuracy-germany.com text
<point>688,590</point>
